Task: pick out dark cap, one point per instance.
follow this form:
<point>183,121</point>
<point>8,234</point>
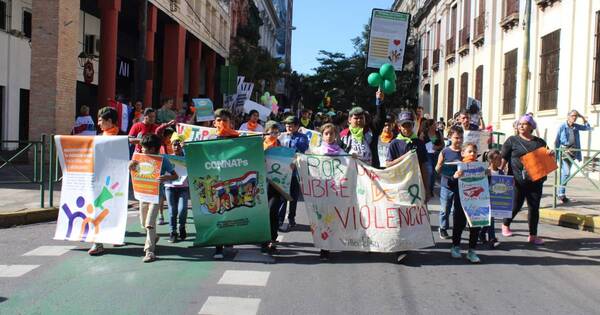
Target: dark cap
<point>292,120</point>
<point>356,111</point>
<point>406,117</point>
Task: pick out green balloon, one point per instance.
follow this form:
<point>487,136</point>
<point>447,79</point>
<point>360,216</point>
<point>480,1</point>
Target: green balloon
<point>389,87</point>
<point>374,79</point>
<point>387,72</point>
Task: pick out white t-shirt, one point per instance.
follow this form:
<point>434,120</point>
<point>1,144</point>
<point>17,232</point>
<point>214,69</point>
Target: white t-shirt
<point>88,122</point>
<point>259,128</point>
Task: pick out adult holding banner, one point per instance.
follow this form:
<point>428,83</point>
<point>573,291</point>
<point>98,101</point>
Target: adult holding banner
<point>519,152</point>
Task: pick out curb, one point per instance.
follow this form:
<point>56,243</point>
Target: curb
<point>28,217</point>
<point>562,217</point>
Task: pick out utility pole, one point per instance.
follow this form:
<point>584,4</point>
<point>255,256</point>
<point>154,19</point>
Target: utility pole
<point>525,63</point>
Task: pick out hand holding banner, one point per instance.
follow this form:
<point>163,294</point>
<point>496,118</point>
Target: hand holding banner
<point>502,194</point>
<point>474,193</point>
<point>279,171</point>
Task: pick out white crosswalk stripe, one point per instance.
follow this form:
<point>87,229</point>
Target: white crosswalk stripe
<point>50,251</point>
<point>13,271</point>
<point>245,277</point>
<point>220,305</point>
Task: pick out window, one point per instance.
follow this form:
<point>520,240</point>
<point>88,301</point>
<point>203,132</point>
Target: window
<point>3,15</point>
<point>596,80</point>
<point>549,62</point>
<point>464,89</point>
<point>479,83</point>
<point>435,101</point>
<point>450,109</point>
<point>510,82</point>
<point>27,23</point>
<point>466,14</point>
<point>438,34</point>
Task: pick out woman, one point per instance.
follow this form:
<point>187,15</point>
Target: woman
<point>434,142</point>
<point>525,189</point>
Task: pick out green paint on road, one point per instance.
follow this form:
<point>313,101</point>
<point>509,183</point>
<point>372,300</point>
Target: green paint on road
<point>118,282</point>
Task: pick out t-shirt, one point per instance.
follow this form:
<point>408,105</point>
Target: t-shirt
<point>361,149</point>
<point>259,127</point>
<point>448,170</point>
<point>399,147</point>
<point>139,130</point>
<point>513,149</point>
<point>167,167</point>
<point>84,126</point>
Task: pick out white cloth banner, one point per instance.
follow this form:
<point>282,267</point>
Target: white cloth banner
<point>93,202</point>
<point>354,207</point>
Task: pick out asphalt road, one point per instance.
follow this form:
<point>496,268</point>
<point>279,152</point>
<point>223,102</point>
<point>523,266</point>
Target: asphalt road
<point>561,277</point>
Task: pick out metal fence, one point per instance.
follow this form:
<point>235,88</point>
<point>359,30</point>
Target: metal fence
<point>590,165</point>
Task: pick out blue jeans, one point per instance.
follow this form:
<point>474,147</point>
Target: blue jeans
<point>565,171</point>
<point>431,162</point>
<point>447,202</point>
<point>177,199</point>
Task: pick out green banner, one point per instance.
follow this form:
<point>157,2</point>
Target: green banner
<point>228,191</point>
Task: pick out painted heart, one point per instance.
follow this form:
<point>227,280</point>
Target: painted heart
<point>396,42</point>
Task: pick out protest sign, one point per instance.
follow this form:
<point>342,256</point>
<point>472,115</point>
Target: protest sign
<point>180,168</point>
<point>200,133</point>
<point>502,194</point>
<point>145,177</point>
<point>227,181</point>
<point>279,170</point>
<point>244,92</point>
<point>352,206</point>
<point>481,138</point>
<point>382,150</point>
<point>474,193</point>
<point>387,38</point>
<point>263,112</point>
<point>204,109</point>
<point>314,137</point>
<point>538,163</point>
<point>93,202</point>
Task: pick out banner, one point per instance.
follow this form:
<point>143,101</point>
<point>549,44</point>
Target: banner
<point>354,207</point>
<point>180,168</point>
<point>502,195</point>
<point>263,112</point>
<point>198,133</point>
<point>93,202</point>
<point>204,109</point>
<point>481,138</point>
<point>474,193</point>
<point>244,92</point>
<point>228,191</point>
<point>144,178</point>
<point>279,170</point>
<point>387,38</point>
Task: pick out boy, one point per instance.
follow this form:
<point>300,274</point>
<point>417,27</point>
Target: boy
<point>151,144</point>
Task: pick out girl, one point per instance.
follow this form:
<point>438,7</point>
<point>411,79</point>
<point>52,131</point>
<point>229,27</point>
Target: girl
<point>389,133</point>
<point>177,196</point>
<point>434,144</point>
<point>488,233</point>
<point>274,197</point>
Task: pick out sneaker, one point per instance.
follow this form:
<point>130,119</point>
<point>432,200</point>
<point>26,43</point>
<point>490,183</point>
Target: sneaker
<point>533,239</point>
<point>493,243</point>
<point>506,231</point>
<point>264,248</point>
<point>218,254</point>
<point>324,255</point>
<point>173,238</point>
<point>150,257</point>
<point>564,199</point>
<point>292,224</point>
<point>400,257</point>
<point>455,252</point>
<point>96,250</point>
<point>444,234</point>
<point>272,249</point>
<point>182,234</point>
<point>472,257</point>
<point>161,221</point>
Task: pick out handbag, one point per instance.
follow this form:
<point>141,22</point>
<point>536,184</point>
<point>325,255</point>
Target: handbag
<point>537,164</point>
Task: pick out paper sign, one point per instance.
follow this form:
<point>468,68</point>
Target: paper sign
<point>387,38</point>
<point>204,109</point>
<point>144,178</point>
<point>474,193</point>
<point>263,112</point>
<point>502,195</point>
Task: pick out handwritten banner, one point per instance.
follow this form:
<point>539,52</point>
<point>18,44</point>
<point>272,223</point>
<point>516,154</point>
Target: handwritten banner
<point>145,177</point>
<point>204,109</point>
<point>474,193</point>
<point>352,206</point>
<point>93,202</point>
<point>502,195</point>
<point>279,171</point>
<point>200,133</point>
<point>180,168</point>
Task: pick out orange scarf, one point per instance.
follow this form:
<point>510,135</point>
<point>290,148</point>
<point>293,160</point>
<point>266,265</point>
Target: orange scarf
<point>270,142</point>
<point>386,137</point>
<point>111,132</point>
<point>251,125</point>
<point>469,159</point>
<point>225,130</point>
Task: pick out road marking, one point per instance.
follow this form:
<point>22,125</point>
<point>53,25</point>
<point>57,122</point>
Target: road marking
<point>245,277</point>
<point>14,271</point>
<point>280,238</point>
<point>220,305</point>
<point>49,251</point>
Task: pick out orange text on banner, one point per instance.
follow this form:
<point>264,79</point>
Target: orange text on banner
<point>78,153</point>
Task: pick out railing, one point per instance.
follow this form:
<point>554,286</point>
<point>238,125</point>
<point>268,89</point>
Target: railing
<point>464,38</point>
<point>436,59</point>
<point>496,144</point>
<point>510,18</point>
<point>589,166</point>
<point>37,149</point>
<point>55,173</point>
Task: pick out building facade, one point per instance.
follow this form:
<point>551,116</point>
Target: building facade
<point>474,48</point>
<point>270,24</point>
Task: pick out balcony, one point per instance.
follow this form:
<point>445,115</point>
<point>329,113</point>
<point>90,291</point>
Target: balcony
<point>425,67</point>
<point>435,65</point>
<point>450,49</point>
<point>464,39</point>
<point>543,4</point>
<point>479,30</point>
<point>511,15</point>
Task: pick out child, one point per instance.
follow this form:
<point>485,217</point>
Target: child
<point>253,122</point>
<point>165,148</point>
<point>469,154</point>
<point>494,158</point>
<point>148,211</point>
<point>177,197</point>
<point>449,186</point>
<point>274,197</point>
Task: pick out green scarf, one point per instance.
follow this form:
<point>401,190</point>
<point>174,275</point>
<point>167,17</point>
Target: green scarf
<point>357,133</point>
<point>305,122</point>
<point>408,140</point>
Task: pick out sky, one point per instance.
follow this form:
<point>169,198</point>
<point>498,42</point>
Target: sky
<point>328,25</point>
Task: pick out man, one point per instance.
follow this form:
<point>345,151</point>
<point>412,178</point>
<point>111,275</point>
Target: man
<point>166,112</point>
<point>305,119</point>
<point>464,121</point>
<point>147,125</point>
<point>298,141</point>
<point>567,139</point>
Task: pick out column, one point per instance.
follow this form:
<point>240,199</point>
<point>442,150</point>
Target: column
<point>174,62</point>
<point>195,54</point>
<point>150,32</point>
<point>109,25</point>
<point>211,65</point>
